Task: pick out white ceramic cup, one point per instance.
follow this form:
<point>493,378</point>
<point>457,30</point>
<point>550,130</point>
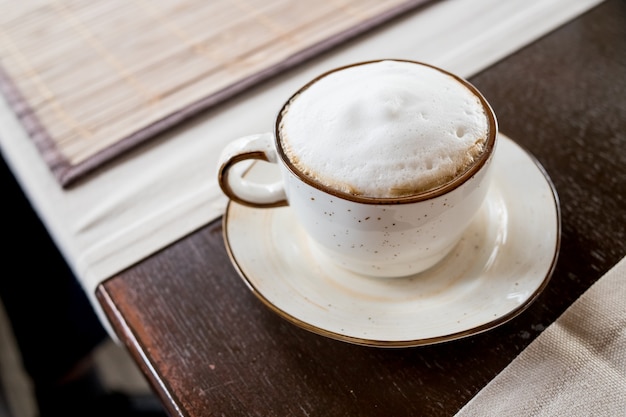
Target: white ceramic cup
<point>375,236</point>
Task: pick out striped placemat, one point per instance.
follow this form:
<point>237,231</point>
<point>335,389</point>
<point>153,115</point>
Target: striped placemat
<point>91,79</point>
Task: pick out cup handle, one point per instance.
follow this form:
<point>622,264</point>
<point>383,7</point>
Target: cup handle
<point>231,172</point>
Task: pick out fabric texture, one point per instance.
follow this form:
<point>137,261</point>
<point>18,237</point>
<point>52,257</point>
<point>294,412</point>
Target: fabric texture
<point>576,367</point>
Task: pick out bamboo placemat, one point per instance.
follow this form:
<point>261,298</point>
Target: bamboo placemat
<point>92,79</point>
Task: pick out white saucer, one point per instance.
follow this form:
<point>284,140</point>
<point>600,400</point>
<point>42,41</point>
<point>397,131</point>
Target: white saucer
<point>503,262</point>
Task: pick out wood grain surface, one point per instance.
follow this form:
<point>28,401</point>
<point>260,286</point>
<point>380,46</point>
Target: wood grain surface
<point>210,348</point>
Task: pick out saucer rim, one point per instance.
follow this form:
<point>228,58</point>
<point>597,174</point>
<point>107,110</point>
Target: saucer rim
<point>373,342</point>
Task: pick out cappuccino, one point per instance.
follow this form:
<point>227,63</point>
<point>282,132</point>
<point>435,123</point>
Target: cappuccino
<point>384,129</point>
<point>384,165</point>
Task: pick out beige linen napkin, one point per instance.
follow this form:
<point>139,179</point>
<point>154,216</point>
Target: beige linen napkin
<point>576,367</point>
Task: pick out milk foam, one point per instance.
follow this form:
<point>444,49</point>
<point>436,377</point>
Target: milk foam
<point>384,129</point>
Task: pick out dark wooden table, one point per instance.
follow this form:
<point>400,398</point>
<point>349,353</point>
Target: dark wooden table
<point>209,347</point>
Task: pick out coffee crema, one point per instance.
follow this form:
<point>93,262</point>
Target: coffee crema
<point>384,129</point>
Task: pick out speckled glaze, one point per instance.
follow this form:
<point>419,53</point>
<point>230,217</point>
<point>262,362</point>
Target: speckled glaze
<point>385,240</point>
<point>382,237</point>
<point>502,262</point>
